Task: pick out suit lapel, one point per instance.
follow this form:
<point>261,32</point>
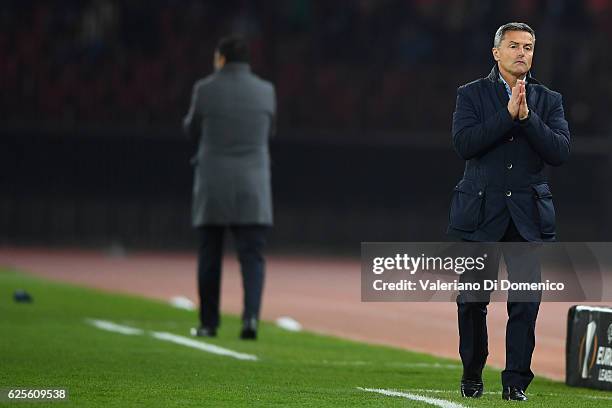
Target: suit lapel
<point>498,87</point>
<point>502,95</point>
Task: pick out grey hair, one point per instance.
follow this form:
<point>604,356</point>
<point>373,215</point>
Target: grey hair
<point>501,31</point>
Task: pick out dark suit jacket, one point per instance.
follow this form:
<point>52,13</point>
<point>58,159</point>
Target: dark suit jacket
<point>505,161</point>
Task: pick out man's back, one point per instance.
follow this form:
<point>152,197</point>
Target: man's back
<point>232,114</point>
<point>237,110</point>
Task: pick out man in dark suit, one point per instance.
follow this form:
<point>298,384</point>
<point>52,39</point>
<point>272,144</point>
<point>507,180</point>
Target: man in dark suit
<point>507,127</point>
<point>232,115</point>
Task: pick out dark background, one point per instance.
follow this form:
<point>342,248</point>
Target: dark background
<point>92,94</point>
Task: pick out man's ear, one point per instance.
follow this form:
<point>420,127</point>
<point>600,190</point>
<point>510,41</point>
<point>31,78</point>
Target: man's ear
<point>495,53</point>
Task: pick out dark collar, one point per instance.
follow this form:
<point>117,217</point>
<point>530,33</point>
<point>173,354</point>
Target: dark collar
<point>494,76</point>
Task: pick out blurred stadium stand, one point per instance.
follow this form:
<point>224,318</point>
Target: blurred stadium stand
<point>92,94</point>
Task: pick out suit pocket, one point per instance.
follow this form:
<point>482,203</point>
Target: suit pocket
<point>466,206</point>
<point>546,210</point>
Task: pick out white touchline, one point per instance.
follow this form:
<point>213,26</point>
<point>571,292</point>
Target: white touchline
<point>173,338</point>
<point>114,327</point>
<point>547,394</point>
<point>211,348</point>
<point>433,401</point>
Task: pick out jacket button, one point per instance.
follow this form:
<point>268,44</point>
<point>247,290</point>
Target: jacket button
<point>511,139</point>
<point>508,193</point>
<point>509,166</point>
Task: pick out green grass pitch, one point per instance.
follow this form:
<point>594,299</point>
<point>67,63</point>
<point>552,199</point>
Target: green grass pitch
<point>49,344</point>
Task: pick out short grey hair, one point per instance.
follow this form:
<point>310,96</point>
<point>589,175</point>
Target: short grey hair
<point>501,31</point>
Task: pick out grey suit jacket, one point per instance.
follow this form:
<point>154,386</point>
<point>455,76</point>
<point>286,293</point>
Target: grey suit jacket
<point>232,113</point>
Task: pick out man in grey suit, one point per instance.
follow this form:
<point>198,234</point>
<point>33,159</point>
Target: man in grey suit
<point>232,115</point>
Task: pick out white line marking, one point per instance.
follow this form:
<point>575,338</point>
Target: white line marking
<point>440,391</point>
<point>114,327</point>
<point>210,348</point>
<point>173,338</point>
<point>182,302</point>
<point>288,323</point>
<point>546,394</point>
<point>428,400</point>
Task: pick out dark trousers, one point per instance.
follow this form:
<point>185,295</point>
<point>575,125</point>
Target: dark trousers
<point>520,333</point>
<point>250,241</point>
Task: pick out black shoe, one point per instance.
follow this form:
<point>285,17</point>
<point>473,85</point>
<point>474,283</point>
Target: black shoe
<point>513,394</point>
<point>249,329</point>
<point>472,388</point>
<point>203,331</point>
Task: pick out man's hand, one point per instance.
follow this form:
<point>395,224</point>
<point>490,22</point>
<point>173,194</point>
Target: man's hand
<point>514,103</point>
<point>523,111</point>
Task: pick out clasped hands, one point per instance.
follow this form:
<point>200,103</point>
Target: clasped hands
<point>517,105</point>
